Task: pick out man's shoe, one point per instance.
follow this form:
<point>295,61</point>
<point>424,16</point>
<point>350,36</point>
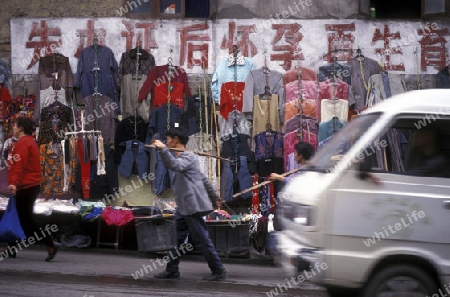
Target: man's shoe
<point>10,253</point>
<point>168,275</point>
<point>51,255</point>
<point>216,277</point>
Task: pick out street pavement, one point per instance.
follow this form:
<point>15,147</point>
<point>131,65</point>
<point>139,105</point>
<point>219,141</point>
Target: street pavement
<point>103,272</point>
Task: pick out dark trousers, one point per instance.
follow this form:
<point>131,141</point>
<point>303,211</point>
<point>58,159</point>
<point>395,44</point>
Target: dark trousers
<point>25,199</point>
<point>195,226</point>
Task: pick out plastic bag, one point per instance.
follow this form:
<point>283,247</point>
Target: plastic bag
<point>10,228</point>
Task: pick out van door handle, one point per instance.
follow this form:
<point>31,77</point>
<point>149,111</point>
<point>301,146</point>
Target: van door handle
<point>446,204</point>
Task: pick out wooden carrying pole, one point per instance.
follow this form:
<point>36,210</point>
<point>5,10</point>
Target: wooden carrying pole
<point>195,152</point>
<point>264,183</point>
<point>205,92</point>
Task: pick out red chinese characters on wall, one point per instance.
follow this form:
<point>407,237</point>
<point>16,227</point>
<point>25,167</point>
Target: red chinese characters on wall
<point>245,45</point>
<point>386,51</point>
<point>42,33</point>
<point>340,44</point>
<point>189,43</point>
<point>290,50</point>
<point>433,47</point>
<point>144,32</point>
<point>89,34</point>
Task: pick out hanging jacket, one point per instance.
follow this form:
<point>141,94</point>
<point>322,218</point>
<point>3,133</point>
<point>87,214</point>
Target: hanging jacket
<point>134,156</point>
<point>443,78</point>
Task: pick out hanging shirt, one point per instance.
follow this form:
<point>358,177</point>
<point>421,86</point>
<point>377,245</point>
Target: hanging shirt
<point>308,91</point>
<point>360,86</point>
<point>103,117</point>
<point>47,97</point>
<point>127,64</point>
<point>308,123</point>
<point>230,94</point>
<point>329,128</point>
<point>243,126</point>
<point>292,75</point>
<point>56,118</point>
<point>256,83</point>
<point>342,72</point>
<point>330,90</point>
<point>331,108</point>
<point>194,114</point>
<point>309,108</point>
<point>158,120</point>
<point>160,75</point>
<point>265,111</point>
<point>161,95</point>
<point>225,73</point>
<point>386,85</point>
<point>85,76</point>
<point>128,97</point>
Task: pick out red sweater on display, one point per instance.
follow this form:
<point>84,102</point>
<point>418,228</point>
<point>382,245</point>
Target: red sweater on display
<point>25,165</point>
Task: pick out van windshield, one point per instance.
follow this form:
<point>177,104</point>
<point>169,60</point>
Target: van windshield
<point>329,155</point>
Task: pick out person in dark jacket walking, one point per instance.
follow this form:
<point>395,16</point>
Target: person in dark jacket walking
<point>195,198</point>
<point>24,179</point>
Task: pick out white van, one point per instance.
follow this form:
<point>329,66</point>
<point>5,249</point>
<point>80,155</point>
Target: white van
<point>368,214</point>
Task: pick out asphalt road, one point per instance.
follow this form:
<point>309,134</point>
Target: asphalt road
<point>86,274</point>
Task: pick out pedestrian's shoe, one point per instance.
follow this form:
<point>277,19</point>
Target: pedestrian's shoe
<point>9,253</point>
<point>168,275</point>
<point>216,277</point>
<point>53,252</point>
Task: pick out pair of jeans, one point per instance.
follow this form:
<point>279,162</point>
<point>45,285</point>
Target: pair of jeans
<point>229,178</point>
<point>196,227</point>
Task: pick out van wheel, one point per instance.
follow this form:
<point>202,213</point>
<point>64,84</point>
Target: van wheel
<point>401,280</point>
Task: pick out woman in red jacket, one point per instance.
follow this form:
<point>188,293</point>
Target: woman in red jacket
<point>24,178</point>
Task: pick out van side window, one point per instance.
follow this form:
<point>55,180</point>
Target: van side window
<point>412,149</point>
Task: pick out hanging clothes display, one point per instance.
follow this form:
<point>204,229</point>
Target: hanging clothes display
<point>134,66</point>
<point>55,118</point>
<point>134,156</point>
<point>158,120</point>
<point>225,73</point>
<point>127,64</point>
<point>100,115</point>
<point>265,111</point>
<point>236,176</point>
<point>329,128</point>
<point>130,128</point>
<point>131,84</point>
<point>331,108</point>
<point>335,71</point>
<point>256,84</point>
<point>193,116</point>
<point>106,69</point>
<point>269,153</point>
<point>386,85</point>
<point>230,94</point>
<point>243,126</point>
<point>163,91</point>
<point>308,123</point>
<point>308,74</point>
<point>54,71</point>
<point>197,143</point>
<point>443,78</point>
<point>362,69</point>
<point>160,75</point>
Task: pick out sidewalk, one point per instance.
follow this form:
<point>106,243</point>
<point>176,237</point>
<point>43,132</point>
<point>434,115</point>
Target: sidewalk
<point>125,264</point>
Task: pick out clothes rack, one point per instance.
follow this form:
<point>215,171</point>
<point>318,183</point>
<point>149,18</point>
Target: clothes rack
<point>169,88</point>
<point>96,69</point>
<point>300,101</point>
